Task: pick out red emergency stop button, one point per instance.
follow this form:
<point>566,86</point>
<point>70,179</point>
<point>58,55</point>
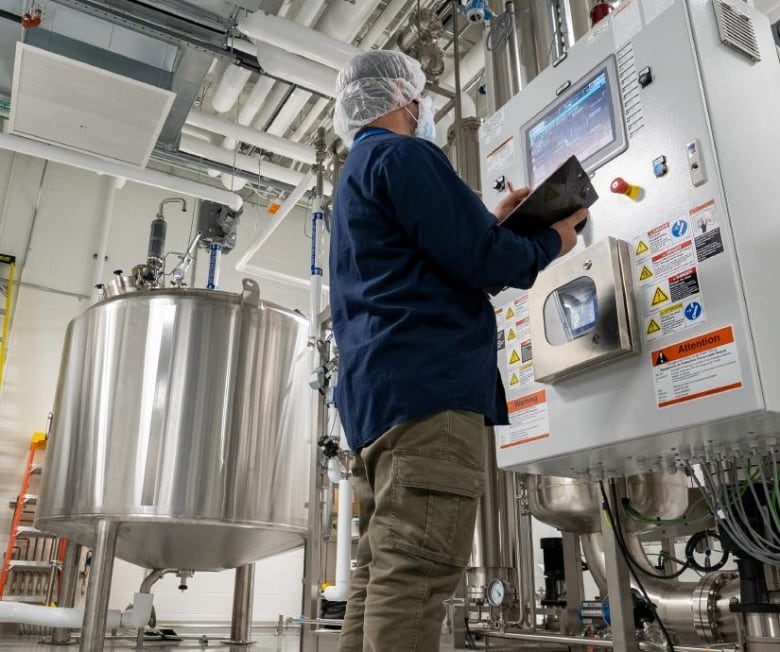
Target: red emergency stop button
<point>622,187</point>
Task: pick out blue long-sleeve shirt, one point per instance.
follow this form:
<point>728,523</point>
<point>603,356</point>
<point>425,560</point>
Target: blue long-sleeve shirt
<point>412,249</point>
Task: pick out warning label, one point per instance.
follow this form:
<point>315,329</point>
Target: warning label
<point>707,235</point>
<point>657,294</point>
<point>674,318</point>
<point>528,421</point>
<point>678,257</point>
<point>519,355</point>
<point>684,284</point>
<point>692,369</point>
<point>667,271</point>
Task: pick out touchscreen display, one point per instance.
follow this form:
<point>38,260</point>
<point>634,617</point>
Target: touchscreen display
<point>583,124</point>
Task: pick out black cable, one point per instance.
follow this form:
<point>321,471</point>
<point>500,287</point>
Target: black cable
<point>637,565</point>
<point>624,551</point>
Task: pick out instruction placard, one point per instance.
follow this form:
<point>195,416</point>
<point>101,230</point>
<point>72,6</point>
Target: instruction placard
<point>528,421</point>
<point>701,366</point>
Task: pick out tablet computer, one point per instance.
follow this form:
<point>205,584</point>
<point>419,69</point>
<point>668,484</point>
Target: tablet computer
<point>564,192</point>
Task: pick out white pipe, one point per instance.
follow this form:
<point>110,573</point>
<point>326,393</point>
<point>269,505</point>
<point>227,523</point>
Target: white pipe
<point>278,277</point>
<point>103,166</point>
<point>276,144</point>
<point>309,12</point>
<point>297,70</point>
<point>59,617</point>
<point>229,88</point>
<point>343,20</point>
<point>289,112</point>
<point>290,67</point>
<point>340,591</point>
<point>290,36</point>
<point>252,164</point>
<point>292,199</point>
<point>302,129</point>
<point>105,228</point>
<point>273,100</point>
<point>255,100</point>
<point>377,30</point>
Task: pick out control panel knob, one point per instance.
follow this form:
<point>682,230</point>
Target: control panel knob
<point>499,184</point>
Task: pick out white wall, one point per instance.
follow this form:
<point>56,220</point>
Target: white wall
<point>55,251</point>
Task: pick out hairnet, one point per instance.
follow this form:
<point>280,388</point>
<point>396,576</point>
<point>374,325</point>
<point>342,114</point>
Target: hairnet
<point>371,85</point>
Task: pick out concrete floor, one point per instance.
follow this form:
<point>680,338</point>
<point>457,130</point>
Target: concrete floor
<point>264,642</point>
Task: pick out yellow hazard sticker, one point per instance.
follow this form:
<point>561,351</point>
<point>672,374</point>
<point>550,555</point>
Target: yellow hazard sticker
<point>659,296</point>
<point>642,248</point>
<point>514,380</point>
<point>653,327</point>
<point>509,313</point>
<point>514,358</point>
<point>511,335</point>
<point>645,274</point>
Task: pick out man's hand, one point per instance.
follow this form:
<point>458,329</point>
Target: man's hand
<point>565,229</point>
<point>510,202</point>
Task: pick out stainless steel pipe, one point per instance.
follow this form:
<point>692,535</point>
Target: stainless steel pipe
<point>594,642</point>
<point>93,631</point>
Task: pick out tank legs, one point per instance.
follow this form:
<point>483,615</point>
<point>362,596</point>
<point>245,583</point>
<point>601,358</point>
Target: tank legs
<point>241,622</point>
<point>93,631</point>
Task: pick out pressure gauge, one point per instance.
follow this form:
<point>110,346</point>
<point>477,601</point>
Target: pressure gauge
<point>498,593</point>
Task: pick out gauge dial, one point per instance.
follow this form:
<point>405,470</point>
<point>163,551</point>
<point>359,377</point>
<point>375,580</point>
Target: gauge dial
<point>496,593</point>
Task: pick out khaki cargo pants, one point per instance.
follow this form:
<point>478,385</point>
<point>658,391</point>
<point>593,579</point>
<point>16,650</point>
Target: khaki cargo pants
<point>418,486</point>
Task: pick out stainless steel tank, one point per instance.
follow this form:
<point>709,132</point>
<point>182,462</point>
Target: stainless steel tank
<point>182,414</point>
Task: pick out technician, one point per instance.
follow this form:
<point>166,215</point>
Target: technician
<point>412,250</point>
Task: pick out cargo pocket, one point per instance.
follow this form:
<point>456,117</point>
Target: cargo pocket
<point>434,507</point>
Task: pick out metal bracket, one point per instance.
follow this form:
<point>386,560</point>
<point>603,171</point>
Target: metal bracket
<point>250,296</point>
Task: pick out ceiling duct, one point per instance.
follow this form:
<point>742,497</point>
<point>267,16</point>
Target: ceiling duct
<point>68,103</point>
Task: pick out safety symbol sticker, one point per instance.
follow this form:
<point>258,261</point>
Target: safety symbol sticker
<point>693,311</point>
<point>645,273</point>
<point>653,327</point>
<point>674,318</point>
<point>528,421</point>
<point>509,312</point>
<point>659,297</point>
<point>511,335</point>
<point>702,366</point>
<point>642,248</point>
<point>514,357</point>
<point>514,380</point>
<point>679,228</point>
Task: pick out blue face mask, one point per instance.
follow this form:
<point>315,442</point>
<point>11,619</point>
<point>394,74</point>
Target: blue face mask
<point>426,123</point>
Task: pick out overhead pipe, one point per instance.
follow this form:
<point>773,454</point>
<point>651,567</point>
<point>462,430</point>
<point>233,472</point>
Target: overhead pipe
<point>290,36</point>
<point>378,29</point>
<point>286,208</point>
<point>105,229</point>
<point>252,164</point>
<point>290,110</point>
<point>143,176</point>
<point>270,142</point>
<point>229,88</point>
<point>291,67</point>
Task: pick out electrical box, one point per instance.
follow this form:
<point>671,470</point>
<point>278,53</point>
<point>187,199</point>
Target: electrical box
<point>656,338</point>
